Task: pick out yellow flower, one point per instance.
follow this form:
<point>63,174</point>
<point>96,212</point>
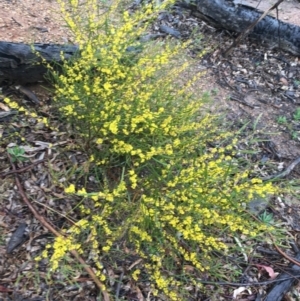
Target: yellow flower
<point>70,189</point>
<point>106,248</point>
<point>81,191</point>
<point>107,86</point>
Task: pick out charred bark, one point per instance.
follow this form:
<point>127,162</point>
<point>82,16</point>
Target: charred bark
<point>21,63</point>
<point>225,14</point>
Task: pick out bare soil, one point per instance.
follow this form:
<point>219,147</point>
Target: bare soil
<point>31,21</point>
<point>288,11</point>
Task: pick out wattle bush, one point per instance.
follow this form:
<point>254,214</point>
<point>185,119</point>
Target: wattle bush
<point>169,184</point>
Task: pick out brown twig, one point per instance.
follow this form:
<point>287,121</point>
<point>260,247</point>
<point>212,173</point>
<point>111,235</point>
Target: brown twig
<point>243,102</point>
<point>16,21</point>
<point>47,225</point>
<point>277,248</point>
<point>25,91</point>
<point>21,169</point>
<point>286,256</point>
<point>286,172</point>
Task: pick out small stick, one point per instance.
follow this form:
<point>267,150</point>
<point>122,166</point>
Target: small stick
<point>21,169</point>
<point>241,102</point>
<point>286,256</point>
<point>17,21</point>
<point>119,285</point>
<point>286,172</point>
<point>29,94</point>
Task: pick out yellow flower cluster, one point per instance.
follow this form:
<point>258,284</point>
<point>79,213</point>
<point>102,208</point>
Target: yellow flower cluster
<point>161,186</point>
<point>14,105</point>
<point>61,246</point>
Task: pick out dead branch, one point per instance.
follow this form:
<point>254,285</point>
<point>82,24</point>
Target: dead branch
<point>244,33</point>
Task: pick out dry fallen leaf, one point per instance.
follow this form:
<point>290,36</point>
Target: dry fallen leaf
<point>189,268</point>
<point>268,269</point>
<point>239,290</point>
<point>139,294</point>
<point>4,107</point>
<point>284,81</point>
<point>3,289</point>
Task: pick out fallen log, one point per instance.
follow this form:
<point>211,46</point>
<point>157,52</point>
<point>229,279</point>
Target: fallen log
<point>227,15</point>
<point>21,63</point>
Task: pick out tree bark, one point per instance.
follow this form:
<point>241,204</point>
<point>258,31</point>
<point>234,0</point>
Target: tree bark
<point>225,14</point>
<point>21,63</point>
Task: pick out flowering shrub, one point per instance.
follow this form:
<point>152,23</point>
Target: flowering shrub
<point>161,187</point>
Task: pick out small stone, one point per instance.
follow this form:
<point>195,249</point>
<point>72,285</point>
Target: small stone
<point>258,205</point>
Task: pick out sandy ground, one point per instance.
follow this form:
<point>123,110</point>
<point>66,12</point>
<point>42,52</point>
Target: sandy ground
<point>39,20</point>
<point>31,21</point>
<point>288,10</point>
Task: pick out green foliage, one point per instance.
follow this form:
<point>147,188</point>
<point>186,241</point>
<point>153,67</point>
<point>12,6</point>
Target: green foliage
<point>17,154</point>
<point>294,135</point>
<point>214,91</point>
<point>161,188</point>
<point>266,217</point>
<point>296,115</point>
<point>289,125</point>
<point>282,120</point>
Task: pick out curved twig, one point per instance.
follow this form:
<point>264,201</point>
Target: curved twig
<point>286,172</point>
<point>22,169</point>
<point>286,256</point>
<point>47,225</point>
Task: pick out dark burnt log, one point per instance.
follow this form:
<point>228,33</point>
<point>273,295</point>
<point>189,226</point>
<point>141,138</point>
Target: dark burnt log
<point>21,63</point>
<point>281,288</point>
<point>227,15</point>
